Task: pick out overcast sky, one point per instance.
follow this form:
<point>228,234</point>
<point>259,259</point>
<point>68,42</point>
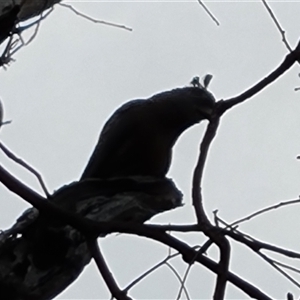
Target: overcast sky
<point>69,80</point>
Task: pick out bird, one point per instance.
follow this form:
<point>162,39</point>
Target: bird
<point>138,138</point>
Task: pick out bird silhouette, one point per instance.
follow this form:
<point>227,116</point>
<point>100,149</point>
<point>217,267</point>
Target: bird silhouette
<point>138,138</point>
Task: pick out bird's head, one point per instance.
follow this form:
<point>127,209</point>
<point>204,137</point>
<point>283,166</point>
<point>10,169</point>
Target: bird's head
<point>179,109</point>
<point>189,105</point>
<point>202,102</point>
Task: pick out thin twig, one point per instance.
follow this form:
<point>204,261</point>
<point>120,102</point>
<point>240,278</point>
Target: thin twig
<point>281,30</point>
<point>255,244</point>
<point>6,55</point>
<point>26,166</point>
<point>18,30</point>
<point>285,274</point>
<point>180,280</point>
<point>94,20</point>
<point>38,23</point>
<point>208,12</point>
<point>6,122</point>
<point>149,271</point>
<point>182,287</point>
<point>264,210</point>
<point>286,266</point>
<point>152,269</point>
<point>187,272</point>
<point>104,270</point>
<point>189,254</point>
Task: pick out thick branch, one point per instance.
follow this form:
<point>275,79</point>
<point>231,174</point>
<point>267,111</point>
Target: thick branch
<point>207,227</point>
<point>198,172</point>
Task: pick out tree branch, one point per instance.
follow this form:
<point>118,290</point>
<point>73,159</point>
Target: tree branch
<point>189,255</point>
<point>26,166</point>
<point>256,245</point>
<point>202,219</point>
<point>208,12</point>
<point>264,210</point>
<point>273,17</point>
<point>94,20</point>
<point>199,169</point>
<point>289,60</point>
<point>105,272</point>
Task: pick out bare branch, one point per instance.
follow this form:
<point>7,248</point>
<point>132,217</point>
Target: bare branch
<point>154,268</point>
<point>94,20</point>
<point>285,274</point>
<point>286,266</point>
<point>182,287</point>
<point>180,280</point>
<point>6,58</point>
<point>177,228</point>
<point>202,219</point>
<point>257,245</point>
<point>105,272</point>
<point>26,166</point>
<point>264,210</point>
<point>208,12</point>
<point>224,247</point>
<point>189,254</point>
<point>198,172</point>
<point>149,271</point>
<point>282,32</point>
<point>37,23</point>
<point>289,60</point>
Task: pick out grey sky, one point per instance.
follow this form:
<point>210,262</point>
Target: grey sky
<point>66,84</point>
